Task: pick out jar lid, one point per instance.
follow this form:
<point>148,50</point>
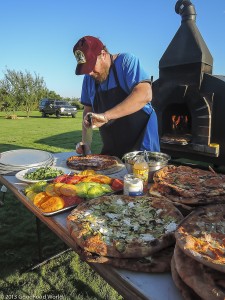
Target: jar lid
<point>134,194</point>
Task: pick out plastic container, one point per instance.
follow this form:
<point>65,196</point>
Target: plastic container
<point>141,170</point>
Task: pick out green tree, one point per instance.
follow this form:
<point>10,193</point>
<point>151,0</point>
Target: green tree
<point>22,90</point>
<point>53,95</point>
<point>76,102</point>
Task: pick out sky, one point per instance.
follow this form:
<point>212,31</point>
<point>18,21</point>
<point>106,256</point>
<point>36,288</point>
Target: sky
<point>38,35</point>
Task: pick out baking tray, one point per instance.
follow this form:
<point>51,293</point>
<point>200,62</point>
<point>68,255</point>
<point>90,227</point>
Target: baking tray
<point>66,208</point>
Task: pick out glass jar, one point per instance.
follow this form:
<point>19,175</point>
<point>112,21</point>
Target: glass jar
<point>133,186</point>
<point>141,170</point>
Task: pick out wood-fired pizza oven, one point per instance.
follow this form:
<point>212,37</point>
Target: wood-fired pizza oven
<point>188,99</point>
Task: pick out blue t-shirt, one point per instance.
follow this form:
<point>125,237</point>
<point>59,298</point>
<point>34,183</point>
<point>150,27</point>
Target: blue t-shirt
<point>130,72</point>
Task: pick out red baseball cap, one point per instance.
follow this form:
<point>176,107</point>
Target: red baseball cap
<point>86,52</point>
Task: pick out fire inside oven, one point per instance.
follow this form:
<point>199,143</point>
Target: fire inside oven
<point>176,125</point>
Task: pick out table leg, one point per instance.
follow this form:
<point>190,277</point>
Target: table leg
<point>39,239</point>
<point>41,261</point>
<point>3,190</point>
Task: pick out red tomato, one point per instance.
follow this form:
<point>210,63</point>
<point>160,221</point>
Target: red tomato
<point>72,179</point>
<point>71,200</point>
<point>117,184</point>
<point>61,178</point>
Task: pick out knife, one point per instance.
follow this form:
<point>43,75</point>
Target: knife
<point>84,149</point>
<point>88,137</point>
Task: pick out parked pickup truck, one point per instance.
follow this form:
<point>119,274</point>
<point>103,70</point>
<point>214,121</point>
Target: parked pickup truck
<point>56,107</point>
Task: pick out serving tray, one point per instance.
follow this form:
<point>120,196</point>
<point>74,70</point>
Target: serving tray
<point>49,214</point>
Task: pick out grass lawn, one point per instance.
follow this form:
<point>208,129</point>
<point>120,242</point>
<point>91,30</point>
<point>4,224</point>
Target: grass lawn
<point>50,134</point>
<point>65,277</point>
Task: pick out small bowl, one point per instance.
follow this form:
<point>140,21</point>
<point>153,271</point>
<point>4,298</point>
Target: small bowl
<point>156,161</point>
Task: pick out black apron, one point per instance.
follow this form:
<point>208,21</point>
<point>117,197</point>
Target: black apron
<point>124,134</point>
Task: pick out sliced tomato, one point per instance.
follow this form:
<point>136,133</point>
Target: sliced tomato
<point>61,178</point>
<point>117,184</point>
<point>72,179</point>
<point>72,200</point>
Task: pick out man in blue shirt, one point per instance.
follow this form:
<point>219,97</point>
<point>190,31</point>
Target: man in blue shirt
<point>116,91</point>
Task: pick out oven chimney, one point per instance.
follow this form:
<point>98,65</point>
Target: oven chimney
<point>187,56</point>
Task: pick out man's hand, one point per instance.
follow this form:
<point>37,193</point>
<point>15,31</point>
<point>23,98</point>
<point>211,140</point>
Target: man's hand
<point>82,148</point>
<point>97,120</point>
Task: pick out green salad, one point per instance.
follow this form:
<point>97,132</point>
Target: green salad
<point>43,173</point>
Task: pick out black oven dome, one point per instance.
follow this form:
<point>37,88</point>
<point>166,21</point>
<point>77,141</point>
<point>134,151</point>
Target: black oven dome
<point>187,46</point>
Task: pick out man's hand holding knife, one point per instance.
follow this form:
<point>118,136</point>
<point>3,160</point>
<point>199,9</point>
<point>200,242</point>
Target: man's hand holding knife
<point>90,121</point>
<point>94,120</point>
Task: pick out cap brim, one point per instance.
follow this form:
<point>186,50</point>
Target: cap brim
<point>85,68</point>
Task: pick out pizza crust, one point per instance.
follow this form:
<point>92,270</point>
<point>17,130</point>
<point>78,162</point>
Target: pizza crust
<point>156,263</point>
<point>186,292</point>
<point>123,226</point>
<point>208,283</point>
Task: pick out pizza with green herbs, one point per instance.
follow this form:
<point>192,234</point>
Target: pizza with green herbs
<point>123,226</point>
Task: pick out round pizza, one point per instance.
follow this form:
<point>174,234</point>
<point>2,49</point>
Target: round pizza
<point>189,185</point>
<point>176,139</point>
<point>95,162</point>
<point>201,235</point>
<point>124,226</point>
<point>207,283</point>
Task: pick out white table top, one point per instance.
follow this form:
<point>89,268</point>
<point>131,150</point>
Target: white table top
<point>148,286</point>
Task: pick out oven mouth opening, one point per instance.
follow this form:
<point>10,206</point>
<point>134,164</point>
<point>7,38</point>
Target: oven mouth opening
<point>176,127</point>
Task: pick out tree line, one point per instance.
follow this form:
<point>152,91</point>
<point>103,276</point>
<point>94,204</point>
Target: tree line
<point>23,91</point>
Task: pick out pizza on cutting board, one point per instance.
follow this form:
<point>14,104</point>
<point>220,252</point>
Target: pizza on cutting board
<point>188,185</point>
<point>97,162</point>
<point>123,226</point>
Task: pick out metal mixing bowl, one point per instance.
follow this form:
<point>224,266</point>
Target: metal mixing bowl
<point>156,161</point>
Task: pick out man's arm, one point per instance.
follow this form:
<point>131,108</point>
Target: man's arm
<point>138,98</point>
